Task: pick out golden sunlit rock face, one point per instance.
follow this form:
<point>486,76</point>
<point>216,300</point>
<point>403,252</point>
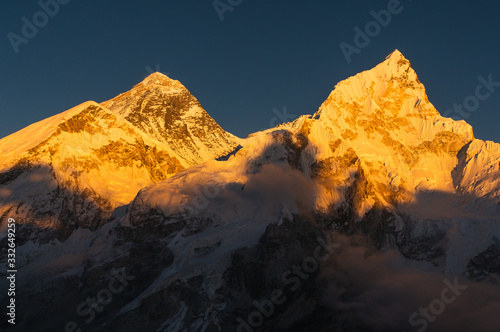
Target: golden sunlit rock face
<point>165,110</point>
<point>93,159</point>
<point>382,122</point>
<point>93,162</point>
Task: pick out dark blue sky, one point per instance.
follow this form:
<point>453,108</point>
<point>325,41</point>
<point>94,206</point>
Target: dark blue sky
<point>264,55</point>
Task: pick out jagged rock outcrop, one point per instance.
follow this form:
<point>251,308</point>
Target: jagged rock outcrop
<point>164,109</point>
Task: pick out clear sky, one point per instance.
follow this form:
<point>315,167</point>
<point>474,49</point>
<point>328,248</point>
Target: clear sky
<point>263,55</point>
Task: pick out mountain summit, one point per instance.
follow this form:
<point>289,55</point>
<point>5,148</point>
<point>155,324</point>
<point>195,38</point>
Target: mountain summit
<point>393,79</point>
<point>160,79</point>
<point>384,117</point>
<point>164,109</point>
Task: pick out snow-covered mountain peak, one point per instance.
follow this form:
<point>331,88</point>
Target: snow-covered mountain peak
<point>400,67</point>
<point>396,59</point>
<point>396,54</point>
<point>383,119</point>
<point>392,80</point>
<point>164,109</point>
<point>389,96</point>
<point>160,79</point>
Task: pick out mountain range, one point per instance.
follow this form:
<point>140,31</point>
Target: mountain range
<point>219,233</point>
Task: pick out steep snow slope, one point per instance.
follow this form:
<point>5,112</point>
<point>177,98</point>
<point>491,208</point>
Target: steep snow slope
<point>76,167</point>
<point>479,170</point>
<point>164,109</point>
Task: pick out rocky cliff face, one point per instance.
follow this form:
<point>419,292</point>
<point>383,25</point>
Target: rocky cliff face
<point>164,109</point>
<point>384,118</point>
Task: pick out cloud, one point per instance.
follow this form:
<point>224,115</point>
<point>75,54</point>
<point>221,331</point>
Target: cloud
<point>282,184</point>
<point>380,291</point>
